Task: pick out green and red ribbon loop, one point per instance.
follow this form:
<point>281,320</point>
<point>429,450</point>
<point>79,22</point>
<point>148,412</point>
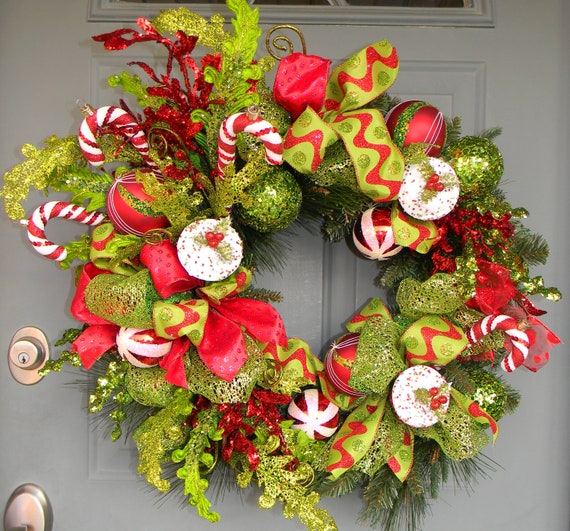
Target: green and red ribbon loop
<point>377,161</point>
<point>216,323</point>
<point>385,349</point>
<point>104,251</point>
<point>356,435</point>
<point>419,235</point>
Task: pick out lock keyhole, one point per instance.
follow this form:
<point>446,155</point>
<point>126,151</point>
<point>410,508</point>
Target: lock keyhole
<point>28,353</point>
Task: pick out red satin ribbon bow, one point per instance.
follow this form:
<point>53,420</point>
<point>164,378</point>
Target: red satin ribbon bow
<point>101,336</point>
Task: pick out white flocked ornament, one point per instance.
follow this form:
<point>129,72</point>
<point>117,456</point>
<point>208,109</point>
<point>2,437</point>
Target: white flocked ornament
<point>406,401</point>
<point>429,197</point>
<point>210,249</point>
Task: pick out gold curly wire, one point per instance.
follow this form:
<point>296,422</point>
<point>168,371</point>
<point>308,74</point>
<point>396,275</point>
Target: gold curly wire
<point>273,372</point>
<point>282,42</point>
<point>156,236</point>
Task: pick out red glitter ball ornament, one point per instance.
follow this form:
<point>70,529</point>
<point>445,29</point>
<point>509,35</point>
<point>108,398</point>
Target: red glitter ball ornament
<point>373,235</point>
<point>142,348</point>
<point>339,361</point>
<point>414,121</point>
<point>128,206</point>
<point>314,414</point>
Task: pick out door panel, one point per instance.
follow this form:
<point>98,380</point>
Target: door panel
<point>514,75</point>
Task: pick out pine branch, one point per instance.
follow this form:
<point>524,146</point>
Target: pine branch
<point>345,484</point>
<point>532,248</point>
<point>262,294</point>
<point>491,133</point>
<point>453,127</point>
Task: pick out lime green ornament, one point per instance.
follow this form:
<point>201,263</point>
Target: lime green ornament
<point>477,162</point>
<point>272,202</point>
<point>148,386</point>
<point>488,392</point>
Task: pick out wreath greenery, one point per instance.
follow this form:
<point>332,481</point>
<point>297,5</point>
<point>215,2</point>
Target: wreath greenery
<point>189,196</point>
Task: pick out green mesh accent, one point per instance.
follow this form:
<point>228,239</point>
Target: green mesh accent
<point>337,168</point>
<point>202,381</point>
<point>438,295</point>
<point>378,360</point>
<point>125,301</point>
<point>459,436</point>
<point>148,387</point>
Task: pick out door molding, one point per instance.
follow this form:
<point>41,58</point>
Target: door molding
<point>480,13</point>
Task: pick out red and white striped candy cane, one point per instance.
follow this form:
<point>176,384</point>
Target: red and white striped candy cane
<point>36,225</point>
<point>115,120</point>
<point>519,343</point>
<point>248,122</point>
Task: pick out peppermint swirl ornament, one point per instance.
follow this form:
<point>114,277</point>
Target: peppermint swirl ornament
<point>314,414</point>
<point>373,235</point>
<point>141,348</point>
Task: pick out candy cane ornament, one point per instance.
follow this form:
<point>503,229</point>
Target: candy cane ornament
<point>248,122</point>
<point>110,119</point>
<point>36,225</point>
<point>519,343</point>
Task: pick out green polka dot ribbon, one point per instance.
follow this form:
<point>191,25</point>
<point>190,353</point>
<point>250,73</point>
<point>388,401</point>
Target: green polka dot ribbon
<point>378,163</point>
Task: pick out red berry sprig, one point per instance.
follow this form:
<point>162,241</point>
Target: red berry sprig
<point>437,400</point>
<point>214,238</point>
<point>434,183</point>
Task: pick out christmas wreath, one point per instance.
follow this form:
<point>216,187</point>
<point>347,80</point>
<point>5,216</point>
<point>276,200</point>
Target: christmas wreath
<point>187,198</point>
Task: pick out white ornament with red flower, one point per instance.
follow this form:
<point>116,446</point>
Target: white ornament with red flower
<point>429,197</point>
<point>210,249</point>
<point>420,396</point>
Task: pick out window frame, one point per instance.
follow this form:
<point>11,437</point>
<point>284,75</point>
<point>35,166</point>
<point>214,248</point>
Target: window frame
<point>479,14</point>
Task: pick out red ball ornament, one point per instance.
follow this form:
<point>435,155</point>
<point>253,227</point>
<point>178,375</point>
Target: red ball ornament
<point>314,414</point>
<point>373,235</point>
<point>414,121</point>
<point>141,348</point>
<point>339,361</point>
<point>128,206</point>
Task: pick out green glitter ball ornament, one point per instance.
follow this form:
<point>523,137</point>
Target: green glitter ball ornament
<point>273,201</point>
<point>489,393</point>
<point>148,387</point>
<point>477,162</point>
